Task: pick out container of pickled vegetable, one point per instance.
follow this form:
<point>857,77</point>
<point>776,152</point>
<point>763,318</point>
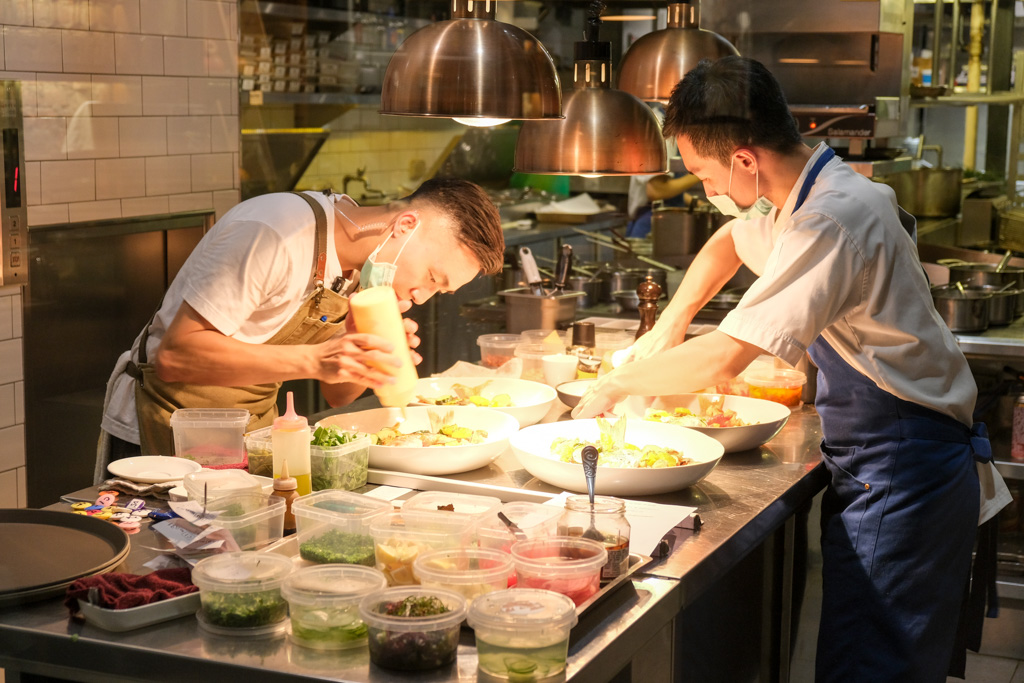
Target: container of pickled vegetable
<point>323,603</point>
<point>333,527</point>
<point>412,628</point>
<point>399,538</point>
<point>240,593</point>
<point>522,634</point>
<point>570,566</point>
<point>533,519</point>
<point>470,572</point>
<point>777,384</point>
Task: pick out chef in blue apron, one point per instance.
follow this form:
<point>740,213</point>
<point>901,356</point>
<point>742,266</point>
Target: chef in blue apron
<point>840,279</point>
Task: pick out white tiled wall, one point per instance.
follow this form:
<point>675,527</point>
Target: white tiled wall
<point>131,109</point>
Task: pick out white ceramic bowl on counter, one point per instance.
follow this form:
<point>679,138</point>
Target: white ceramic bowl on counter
<point>764,419</point>
<point>530,400</point>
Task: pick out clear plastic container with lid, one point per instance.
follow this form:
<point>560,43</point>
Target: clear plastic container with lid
<point>481,509</point>
<point>323,603</point>
<point>777,384</point>
<point>240,593</point>
<point>533,519</point>
<point>497,349</point>
<point>522,633</point>
<point>609,518</point>
<point>532,356</point>
<point>341,467</point>
<point>254,519</point>
<point>210,436</point>
<point>570,566</point>
<point>399,538</point>
<point>412,628</point>
<point>470,572</point>
<point>333,527</point>
<point>214,484</point>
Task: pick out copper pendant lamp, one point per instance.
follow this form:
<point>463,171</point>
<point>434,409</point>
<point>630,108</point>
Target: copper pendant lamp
<point>605,131</point>
<point>658,60</point>
<point>472,68</point>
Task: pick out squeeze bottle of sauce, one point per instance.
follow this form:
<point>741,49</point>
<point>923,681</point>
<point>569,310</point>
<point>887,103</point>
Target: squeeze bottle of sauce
<point>286,487</point>
<point>290,437</point>
<point>375,311</point>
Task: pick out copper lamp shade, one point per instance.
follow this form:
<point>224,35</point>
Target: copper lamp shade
<point>657,61</point>
<point>604,132</point>
<point>472,67</point>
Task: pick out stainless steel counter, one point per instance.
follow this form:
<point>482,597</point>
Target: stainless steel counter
<point>745,500</point>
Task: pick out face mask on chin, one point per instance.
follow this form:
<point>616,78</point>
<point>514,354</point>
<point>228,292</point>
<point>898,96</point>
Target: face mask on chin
<point>375,274</point>
<point>728,207</point>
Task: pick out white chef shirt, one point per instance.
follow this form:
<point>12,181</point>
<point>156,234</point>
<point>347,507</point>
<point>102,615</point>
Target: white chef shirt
<point>844,267</point>
<point>247,277</point>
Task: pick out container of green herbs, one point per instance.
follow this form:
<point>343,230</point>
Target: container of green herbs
<point>324,605</point>
<point>338,458</point>
<point>412,628</point>
<point>240,593</point>
<point>332,527</point>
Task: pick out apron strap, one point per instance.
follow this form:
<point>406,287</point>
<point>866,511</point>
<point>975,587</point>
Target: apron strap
<point>320,247</point>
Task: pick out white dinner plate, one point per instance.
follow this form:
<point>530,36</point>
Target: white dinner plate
<point>153,469</point>
<point>530,400</point>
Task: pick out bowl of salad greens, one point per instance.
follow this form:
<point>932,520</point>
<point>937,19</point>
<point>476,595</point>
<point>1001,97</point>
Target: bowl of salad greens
<point>323,605</point>
<point>412,628</point>
<point>635,457</point>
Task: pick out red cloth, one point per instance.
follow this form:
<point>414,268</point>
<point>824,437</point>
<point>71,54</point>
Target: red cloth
<point>121,591</point>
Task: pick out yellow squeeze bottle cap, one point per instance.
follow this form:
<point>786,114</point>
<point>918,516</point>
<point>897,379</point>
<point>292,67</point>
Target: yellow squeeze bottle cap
<point>290,421</point>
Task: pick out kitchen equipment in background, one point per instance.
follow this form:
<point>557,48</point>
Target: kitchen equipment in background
<point>530,271</point>
<point>964,310</point>
<point>13,206</point>
<point>627,299</point>
<point>679,231</point>
<point>1002,307</point>
<point>927,192</point>
<point>527,311</point>
<point>564,268</point>
<point>583,142</point>
<point>617,281</point>
<point>658,60</point>
<point>590,286</point>
<point>658,275</point>
<point>982,274</point>
<point>474,69</point>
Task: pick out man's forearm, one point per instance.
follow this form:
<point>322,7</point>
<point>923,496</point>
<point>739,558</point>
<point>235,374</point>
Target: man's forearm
<point>341,394</point>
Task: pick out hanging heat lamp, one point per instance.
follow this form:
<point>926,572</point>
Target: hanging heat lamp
<point>605,131</point>
<point>658,60</point>
<point>473,69</point>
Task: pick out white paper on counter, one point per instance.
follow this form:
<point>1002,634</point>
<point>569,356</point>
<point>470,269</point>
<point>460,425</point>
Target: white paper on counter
<point>648,522</point>
<point>387,492</point>
<point>580,204</point>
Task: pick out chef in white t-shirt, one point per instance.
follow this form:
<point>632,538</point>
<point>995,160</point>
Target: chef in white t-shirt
<point>263,299</point>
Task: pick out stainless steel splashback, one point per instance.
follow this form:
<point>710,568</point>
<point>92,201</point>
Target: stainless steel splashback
<point>13,210</point>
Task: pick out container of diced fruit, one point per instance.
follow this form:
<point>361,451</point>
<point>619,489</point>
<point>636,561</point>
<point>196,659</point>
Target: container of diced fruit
<point>470,572</point>
<point>777,384</point>
<point>323,605</point>
<point>333,527</point>
<point>399,538</point>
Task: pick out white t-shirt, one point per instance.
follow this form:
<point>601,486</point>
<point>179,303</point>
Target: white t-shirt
<point>844,267</point>
<point>247,277</point>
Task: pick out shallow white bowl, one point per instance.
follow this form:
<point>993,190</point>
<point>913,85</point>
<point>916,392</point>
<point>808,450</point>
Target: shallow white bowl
<point>432,460</point>
<point>532,447</point>
<point>530,400</point>
<point>153,469</point>
<point>770,417</point>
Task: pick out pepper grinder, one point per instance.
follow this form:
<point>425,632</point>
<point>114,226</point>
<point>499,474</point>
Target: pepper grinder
<point>648,292</point>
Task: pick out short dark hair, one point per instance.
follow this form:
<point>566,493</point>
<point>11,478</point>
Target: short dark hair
<point>728,103</point>
<point>474,216</point>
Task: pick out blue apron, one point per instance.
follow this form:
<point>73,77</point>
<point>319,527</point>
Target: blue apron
<point>898,524</point>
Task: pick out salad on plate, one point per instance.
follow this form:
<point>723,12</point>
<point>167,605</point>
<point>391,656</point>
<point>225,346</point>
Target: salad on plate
<point>614,451</point>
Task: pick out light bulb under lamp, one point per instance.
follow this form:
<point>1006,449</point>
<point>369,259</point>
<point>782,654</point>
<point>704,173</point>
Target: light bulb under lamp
<point>591,175</point>
<point>480,122</point>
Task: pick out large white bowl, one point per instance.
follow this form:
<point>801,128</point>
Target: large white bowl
<point>530,400</point>
<point>433,460</point>
<point>533,448</point>
<point>770,417</point>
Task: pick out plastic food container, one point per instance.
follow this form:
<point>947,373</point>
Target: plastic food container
<point>336,467</point>
<point>333,527</point>
<point>213,484</point>
<point>470,572</point>
<point>399,538</point>
<point>323,603</point>
<point>240,593</point>
<point>480,509</point>
<point>570,566</point>
<point>556,341</point>
<point>497,349</point>
<point>607,343</point>
<point>209,436</point>
<point>535,520</point>
<point>413,643</point>
<point>254,519</point>
<point>522,634</point>
<point>532,356</point>
<point>778,385</point>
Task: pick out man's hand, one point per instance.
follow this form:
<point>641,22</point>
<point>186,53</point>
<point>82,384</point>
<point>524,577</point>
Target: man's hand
<point>347,359</point>
<point>411,327</point>
<point>600,397</point>
<point>658,339</point>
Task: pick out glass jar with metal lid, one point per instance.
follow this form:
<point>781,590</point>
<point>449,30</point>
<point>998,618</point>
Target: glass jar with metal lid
<point>605,522</point>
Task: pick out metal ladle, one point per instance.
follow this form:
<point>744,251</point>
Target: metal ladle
<point>589,457</point>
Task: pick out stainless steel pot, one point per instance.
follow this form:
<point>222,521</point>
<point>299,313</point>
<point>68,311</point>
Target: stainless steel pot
<point>657,274</point>
<point>1002,307</point>
<point>678,231</point>
<point>927,192</point>
<point>590,287</point>
<point>966,311</point>
<point>987,275</point>
<point>615,281</point>
<point>628,299</point>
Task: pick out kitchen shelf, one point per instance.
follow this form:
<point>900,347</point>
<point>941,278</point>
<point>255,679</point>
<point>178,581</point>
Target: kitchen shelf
<point>968,99</point>
<point>317,98</point>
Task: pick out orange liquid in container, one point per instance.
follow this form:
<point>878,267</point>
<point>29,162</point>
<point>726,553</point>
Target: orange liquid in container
<point>375,311</point>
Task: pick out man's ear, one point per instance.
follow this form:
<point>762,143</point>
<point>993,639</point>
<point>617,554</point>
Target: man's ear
<point>405,221</point>
<point>746,160</point>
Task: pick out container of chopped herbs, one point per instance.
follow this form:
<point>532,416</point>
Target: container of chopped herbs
<point>240,593</point>
<point>323,603</point>
<point>333,527</point>
<point>338,458</point>
<point>253,519</point>
<point>413,628</point>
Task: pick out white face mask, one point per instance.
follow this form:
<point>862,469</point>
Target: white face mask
<point>727,205</point>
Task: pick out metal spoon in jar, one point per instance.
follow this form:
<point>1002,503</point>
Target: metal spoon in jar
<point>589,456</point>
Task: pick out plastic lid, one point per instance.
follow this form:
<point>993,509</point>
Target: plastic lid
<point>559,555</point>
<point>583,334</point>
<point>372,607</point>
<point>291,420</point>
<point>219,483</point>
<point>335,505</point>
<point>522,609</point>
<point>284,482</point>
<point>333,585</point>
<point>241,571</point>
<point>463,566</point>
<point>462,503</point>
<point>775,377</point>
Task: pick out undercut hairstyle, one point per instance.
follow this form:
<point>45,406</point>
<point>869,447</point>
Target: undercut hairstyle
<point>729,103</point>
<point>473,215</point>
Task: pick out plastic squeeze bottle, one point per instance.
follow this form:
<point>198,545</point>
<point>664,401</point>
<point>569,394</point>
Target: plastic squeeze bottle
<point>290,437</point>
<point>375,311</point>
<point>286,487</point>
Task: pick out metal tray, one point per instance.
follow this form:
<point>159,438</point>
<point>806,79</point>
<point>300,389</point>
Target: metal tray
<point>45,551</point>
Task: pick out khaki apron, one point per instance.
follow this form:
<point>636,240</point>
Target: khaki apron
<point>320,317</point>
